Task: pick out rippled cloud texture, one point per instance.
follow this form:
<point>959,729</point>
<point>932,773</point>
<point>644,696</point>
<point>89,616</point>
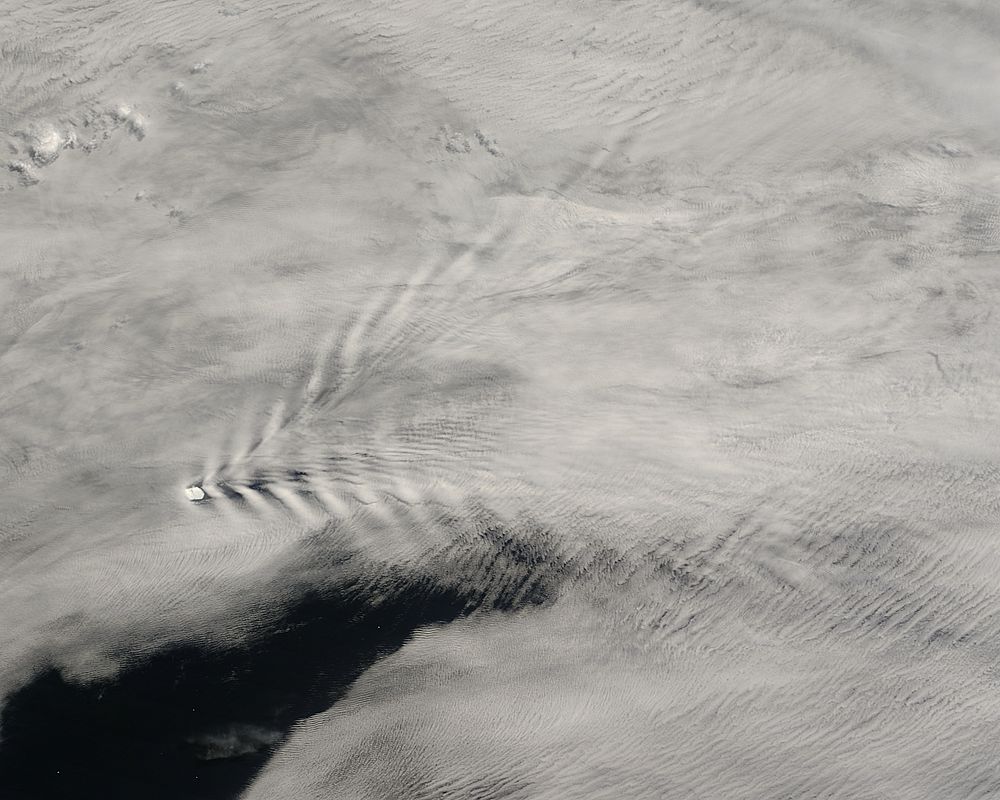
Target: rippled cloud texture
<point>499,400</point>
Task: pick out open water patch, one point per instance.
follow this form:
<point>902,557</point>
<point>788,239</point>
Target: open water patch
<point>199,720</point>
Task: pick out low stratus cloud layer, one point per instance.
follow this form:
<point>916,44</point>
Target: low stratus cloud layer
<point>703,291</point>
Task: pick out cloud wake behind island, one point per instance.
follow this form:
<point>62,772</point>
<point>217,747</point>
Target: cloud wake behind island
<point>564,400</point>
